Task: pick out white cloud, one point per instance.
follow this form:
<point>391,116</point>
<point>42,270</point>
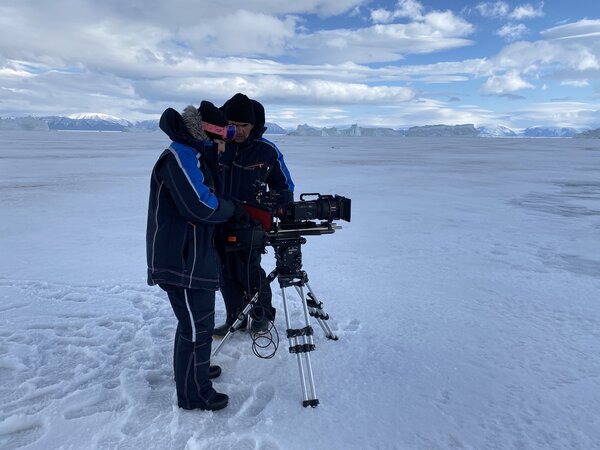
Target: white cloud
<point>446,23</point>
<point>443,79</point>
<point>585,29</point>
<point>588,60</point>
<point>381,16</point>
<point>561,114</point>
<point>183,13</point>
<point>501,10</point>
<point>493,9</point>
<point>419,111</point>
<point>435,31</point>
<point>506,83</point>
<point>241,33</point>
<point>410,9</point>
<point>512,32</point>
<point>324,8</point>
<point>427,111</point>
<point>547,56</point>
<point>279,89</point>
<point>575,83</point>
<point>527,11</point>
<point>13,72</point>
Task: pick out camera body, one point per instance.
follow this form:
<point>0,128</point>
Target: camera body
<point>277,209</point>
<point>278,218</point>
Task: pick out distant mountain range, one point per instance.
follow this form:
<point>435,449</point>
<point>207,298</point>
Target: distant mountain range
<point>467,130</point>
<point>92,122</point>
<point>104,122</point>
<point>79,122</point>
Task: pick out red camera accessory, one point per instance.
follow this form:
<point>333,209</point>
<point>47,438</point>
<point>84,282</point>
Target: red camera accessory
<point>227,132</point>
<point>263,215</point>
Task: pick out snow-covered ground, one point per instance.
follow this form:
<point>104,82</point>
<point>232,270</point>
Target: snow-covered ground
<point>465,293</point>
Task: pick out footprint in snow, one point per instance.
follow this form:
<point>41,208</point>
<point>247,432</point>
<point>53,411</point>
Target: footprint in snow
<point>263,394</point>
<point>95,406</point>
<point>352,326</point>
<point>15,435</point>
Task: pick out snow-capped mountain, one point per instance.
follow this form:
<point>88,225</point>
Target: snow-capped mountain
<point>273,128</point>
<point>594,134</point>
<point>146,125</point>
<point>550,132</point>
<point>102,117</point>
<point>466,130</point>
<point>353,130</point>
<point>70,124</point>
<point>495,131</point>
<point>23,123</point>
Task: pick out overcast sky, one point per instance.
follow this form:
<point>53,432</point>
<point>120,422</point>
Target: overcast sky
<point>320,62</point>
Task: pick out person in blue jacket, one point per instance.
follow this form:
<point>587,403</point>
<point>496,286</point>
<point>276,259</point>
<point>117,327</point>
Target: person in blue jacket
<point>183,212</point>
<point>241,165</point>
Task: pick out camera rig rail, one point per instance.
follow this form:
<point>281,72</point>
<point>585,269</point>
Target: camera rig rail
<point>265,230</point>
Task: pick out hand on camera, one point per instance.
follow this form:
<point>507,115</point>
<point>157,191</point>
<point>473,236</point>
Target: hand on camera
<point>239,214</point>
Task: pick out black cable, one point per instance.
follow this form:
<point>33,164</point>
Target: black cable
<point>263,341</point>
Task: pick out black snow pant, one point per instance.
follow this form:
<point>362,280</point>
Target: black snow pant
<point>243,276</point>
<point>195,312</point>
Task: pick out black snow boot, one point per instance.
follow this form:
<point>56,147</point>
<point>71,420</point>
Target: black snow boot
<point>222,330</point>
<point>216,401</point>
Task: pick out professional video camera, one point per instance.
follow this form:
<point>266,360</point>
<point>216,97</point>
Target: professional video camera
<point>277,217</point>
<point>282,205</point>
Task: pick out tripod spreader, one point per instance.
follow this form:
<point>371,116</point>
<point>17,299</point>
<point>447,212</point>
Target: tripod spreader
<point>306,331</point>
<point>303,348</point>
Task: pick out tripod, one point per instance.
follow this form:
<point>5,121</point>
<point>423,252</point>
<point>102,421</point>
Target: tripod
<point>288,270</point>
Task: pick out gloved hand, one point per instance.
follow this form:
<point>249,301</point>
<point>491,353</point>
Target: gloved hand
<point>239,214</point>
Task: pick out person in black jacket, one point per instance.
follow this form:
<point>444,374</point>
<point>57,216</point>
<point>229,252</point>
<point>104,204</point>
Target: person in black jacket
<point>241,165</point>
<point>184,209</point>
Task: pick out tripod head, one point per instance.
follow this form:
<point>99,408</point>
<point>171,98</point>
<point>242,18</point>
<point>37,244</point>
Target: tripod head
<point>286,240</point>
<point>288,257</point>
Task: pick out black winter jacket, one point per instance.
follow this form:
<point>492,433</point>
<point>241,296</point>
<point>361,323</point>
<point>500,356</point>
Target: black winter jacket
<point>183,211</point>
<point>241,165</point>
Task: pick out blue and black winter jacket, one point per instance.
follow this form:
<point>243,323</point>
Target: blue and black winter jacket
<point>183,211</point>
<point>241,164</point>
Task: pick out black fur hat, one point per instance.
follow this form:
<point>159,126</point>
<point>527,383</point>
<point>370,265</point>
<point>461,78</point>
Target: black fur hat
<point>211,114</point>
<point>207,112</point>
<point>239,108</point>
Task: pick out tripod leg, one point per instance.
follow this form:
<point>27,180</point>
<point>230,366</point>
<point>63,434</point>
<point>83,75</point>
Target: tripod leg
<point>309,346</point>
<point>294,344</point>
<point>241,317</point>
<point>316,310</point>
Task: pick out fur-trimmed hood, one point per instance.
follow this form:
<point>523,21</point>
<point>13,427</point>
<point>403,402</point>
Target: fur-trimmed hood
<point>193,122</point>
<point>185,128</point>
